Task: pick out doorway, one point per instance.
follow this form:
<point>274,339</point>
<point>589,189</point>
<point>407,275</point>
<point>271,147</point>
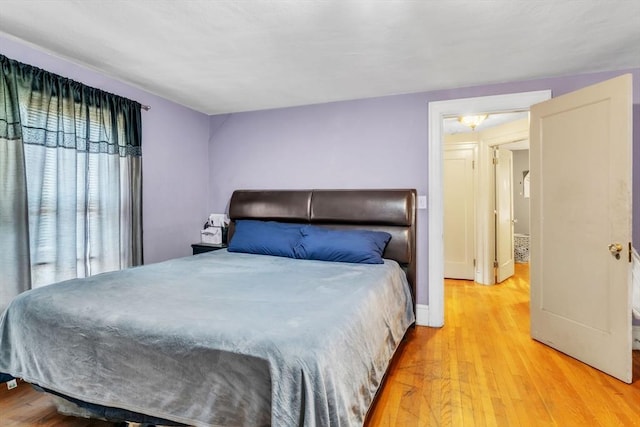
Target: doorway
<point>437,112</point>
<point>576,274</point>
<point>481,194</point>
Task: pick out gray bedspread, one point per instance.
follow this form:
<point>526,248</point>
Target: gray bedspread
<point>216,339</point>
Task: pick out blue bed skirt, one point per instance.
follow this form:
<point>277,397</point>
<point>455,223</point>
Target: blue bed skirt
<point>5,377</point>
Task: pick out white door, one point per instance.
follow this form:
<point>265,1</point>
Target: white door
<point>504,213</point>
<point>580,205</point>
<point>459,214</point>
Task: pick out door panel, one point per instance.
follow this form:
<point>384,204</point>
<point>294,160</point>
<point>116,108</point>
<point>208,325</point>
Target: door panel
<point>504,213</point>
<point>580,203</point>
<point>459,214</point>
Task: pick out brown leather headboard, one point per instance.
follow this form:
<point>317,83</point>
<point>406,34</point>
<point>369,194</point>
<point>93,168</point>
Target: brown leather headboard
<point>393,211</point>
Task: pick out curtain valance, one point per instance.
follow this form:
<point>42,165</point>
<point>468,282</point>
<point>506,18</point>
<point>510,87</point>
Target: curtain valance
<point>97,121</point>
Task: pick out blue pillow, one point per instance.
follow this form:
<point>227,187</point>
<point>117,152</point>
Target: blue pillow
<point>265,238</point>
<point>356,246</point>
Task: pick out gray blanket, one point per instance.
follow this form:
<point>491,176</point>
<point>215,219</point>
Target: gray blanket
<point>216,339</point>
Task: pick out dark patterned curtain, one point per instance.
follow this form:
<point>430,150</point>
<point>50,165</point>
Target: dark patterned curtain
<point>70,164</point>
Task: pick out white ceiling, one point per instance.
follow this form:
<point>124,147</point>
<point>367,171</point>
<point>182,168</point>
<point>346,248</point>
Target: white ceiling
<point>451,125</point>
<point>241,55</point>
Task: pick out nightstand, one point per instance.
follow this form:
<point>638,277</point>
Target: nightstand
<point>199,248</point>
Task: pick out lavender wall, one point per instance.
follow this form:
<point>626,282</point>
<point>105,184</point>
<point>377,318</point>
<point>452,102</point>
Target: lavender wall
<point>368,143</point>
<point>175,151</point>
<point>192,162</point>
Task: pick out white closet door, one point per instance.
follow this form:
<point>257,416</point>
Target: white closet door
<point>504,214</point>
<point>459,213</point>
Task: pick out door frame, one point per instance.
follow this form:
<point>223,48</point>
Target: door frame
<point>438,111</point>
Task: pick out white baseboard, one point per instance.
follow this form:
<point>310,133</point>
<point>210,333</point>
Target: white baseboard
<point>422,315</point>
<point>636,338</point>
<point>426,317</point>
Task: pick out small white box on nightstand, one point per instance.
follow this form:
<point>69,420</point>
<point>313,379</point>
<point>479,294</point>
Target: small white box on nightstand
<point>212,235</point>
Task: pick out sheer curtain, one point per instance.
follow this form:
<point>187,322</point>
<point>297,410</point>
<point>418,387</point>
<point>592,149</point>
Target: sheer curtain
<point>71,169</point>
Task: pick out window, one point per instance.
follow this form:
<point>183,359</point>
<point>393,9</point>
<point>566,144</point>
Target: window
<point>73,194</point>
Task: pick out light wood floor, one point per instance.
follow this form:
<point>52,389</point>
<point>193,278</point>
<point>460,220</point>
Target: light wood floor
<point>481,369</point>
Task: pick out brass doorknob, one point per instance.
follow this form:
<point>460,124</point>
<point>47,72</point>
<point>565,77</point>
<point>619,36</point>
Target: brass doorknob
<point>615,248</point>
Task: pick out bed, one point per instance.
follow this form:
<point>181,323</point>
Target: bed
<point>229,338</point>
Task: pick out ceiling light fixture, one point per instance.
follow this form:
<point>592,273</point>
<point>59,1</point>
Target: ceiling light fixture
<point>472,121</point>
